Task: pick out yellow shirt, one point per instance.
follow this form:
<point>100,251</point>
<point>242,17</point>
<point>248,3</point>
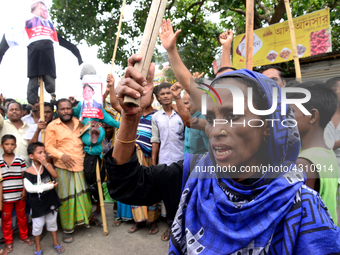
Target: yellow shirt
<point>61,140</point>
<point>7,128</point>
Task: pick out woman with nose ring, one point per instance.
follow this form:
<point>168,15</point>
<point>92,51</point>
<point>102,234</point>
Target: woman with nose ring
<point>246,195</point>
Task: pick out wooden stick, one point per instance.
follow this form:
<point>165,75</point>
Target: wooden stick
<point>42,108</point>
<point>249,33</point>
<point>148,43</point>
<point>117,37</point>
<point>102,207</point>
<point>293,40</point>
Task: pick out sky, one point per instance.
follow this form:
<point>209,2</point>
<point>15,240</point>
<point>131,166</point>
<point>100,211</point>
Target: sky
<point>13,68</point>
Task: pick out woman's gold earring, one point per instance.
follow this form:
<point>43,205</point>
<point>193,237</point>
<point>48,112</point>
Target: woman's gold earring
<point>264,139</point>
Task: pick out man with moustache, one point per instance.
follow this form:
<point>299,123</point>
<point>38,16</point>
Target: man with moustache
<point>33,133</point>
<point>65,147</point>
<point>15,126</point>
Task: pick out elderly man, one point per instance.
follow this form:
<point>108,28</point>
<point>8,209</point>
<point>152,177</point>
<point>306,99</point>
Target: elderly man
<point>65,146</point>
<point>15,126</point>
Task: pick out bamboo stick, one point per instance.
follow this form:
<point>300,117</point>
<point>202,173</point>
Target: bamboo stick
<point>148,42</point>
<point>101,200</point>
<point>249,33</point>
<point>117,37</point>
<point>42,108</point>
<point>293,40</point>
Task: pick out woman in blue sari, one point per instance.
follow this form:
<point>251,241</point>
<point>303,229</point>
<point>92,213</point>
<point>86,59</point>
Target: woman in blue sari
<point>242,209</point>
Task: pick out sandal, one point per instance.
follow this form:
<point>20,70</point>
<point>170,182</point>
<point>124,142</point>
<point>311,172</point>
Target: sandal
<point>38,252</point>
<point>117,223</point>
<point>136,227</point>
<point>166,235</point>
<point>59,247</point>
<point>9,248</point>
<point>28,241</point>
<point>152,228</point>
<point>96,223</point>
<point>67,238</point>
<point>2,252</point>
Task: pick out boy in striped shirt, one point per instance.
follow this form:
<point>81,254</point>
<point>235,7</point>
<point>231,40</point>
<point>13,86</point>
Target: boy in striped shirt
<point>12,168</point>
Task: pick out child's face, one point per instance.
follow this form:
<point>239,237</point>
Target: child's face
<point>9,146</point>
<point>39,151</point>
<point>301,119</point>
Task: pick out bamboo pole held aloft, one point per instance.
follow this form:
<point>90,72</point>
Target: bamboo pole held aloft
<point>148,42</point>
<point>249,33</point>
<point>42,108</point>
<point>117,37</point>
<point>293,40</point>
<point>101,200</point>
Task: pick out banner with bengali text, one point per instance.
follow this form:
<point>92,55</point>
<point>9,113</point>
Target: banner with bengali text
<point>272,44</point>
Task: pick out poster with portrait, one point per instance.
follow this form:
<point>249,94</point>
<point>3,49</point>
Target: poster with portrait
<point>92,100</point>
<point>39,26</point>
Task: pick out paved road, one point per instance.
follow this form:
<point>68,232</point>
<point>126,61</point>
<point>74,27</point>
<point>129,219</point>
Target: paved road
<point>92,241</point>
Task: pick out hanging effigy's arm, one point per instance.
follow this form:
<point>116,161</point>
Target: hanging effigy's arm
<point>149,41</point>
<point>71,47</point>
<point>3,47</point>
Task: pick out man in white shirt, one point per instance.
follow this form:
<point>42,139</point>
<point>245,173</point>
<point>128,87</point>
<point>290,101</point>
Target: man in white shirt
<point>33,118</point>
<point>33,133</point>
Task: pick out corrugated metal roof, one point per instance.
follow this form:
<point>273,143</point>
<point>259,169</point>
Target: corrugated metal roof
<point>320,57</point>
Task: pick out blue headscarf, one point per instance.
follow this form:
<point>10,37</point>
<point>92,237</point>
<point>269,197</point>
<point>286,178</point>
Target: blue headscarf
<point>275,214</point>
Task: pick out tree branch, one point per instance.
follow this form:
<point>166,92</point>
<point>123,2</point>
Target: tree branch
<point>194,4</point>
<point>198,10</point>
<point>240,11</point>
<point>170,6</point>
<point>333,4</point>
<point>280,11</point>
<point>262,6</point>
<point>265,10</point>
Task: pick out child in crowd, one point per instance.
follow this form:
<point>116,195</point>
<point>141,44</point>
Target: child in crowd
<point>316,159</point>
<point>44,199</point>
<point>12,168</point>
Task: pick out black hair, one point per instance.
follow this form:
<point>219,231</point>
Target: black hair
<point>293,83</point>
<point>225,68</point>
<point>63,100</point>
<point>333,83</point>
<point>49,105</point>
<point>279,69</point>
<point>14,102</point>
<point>88,85</point>
<point>323,98</point>
<point>24,108</point>
<point>7,100</point>
<point>33,146</point>
<point>161,86</point>
<point>35,5</point>
<point>8,137</point>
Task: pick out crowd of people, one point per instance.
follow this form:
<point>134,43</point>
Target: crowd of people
<point>160,161</point>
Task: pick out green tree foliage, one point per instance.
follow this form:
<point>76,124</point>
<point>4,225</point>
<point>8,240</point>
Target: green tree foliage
<point>201,22</point>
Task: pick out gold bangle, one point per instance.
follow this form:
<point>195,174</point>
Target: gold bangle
<point>132,141</point>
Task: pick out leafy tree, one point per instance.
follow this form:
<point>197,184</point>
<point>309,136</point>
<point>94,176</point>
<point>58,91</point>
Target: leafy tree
<point>201,22</point>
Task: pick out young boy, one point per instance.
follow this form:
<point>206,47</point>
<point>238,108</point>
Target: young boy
<point>316,159</point>
<point>44,199</point>
<point>12,168</point>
